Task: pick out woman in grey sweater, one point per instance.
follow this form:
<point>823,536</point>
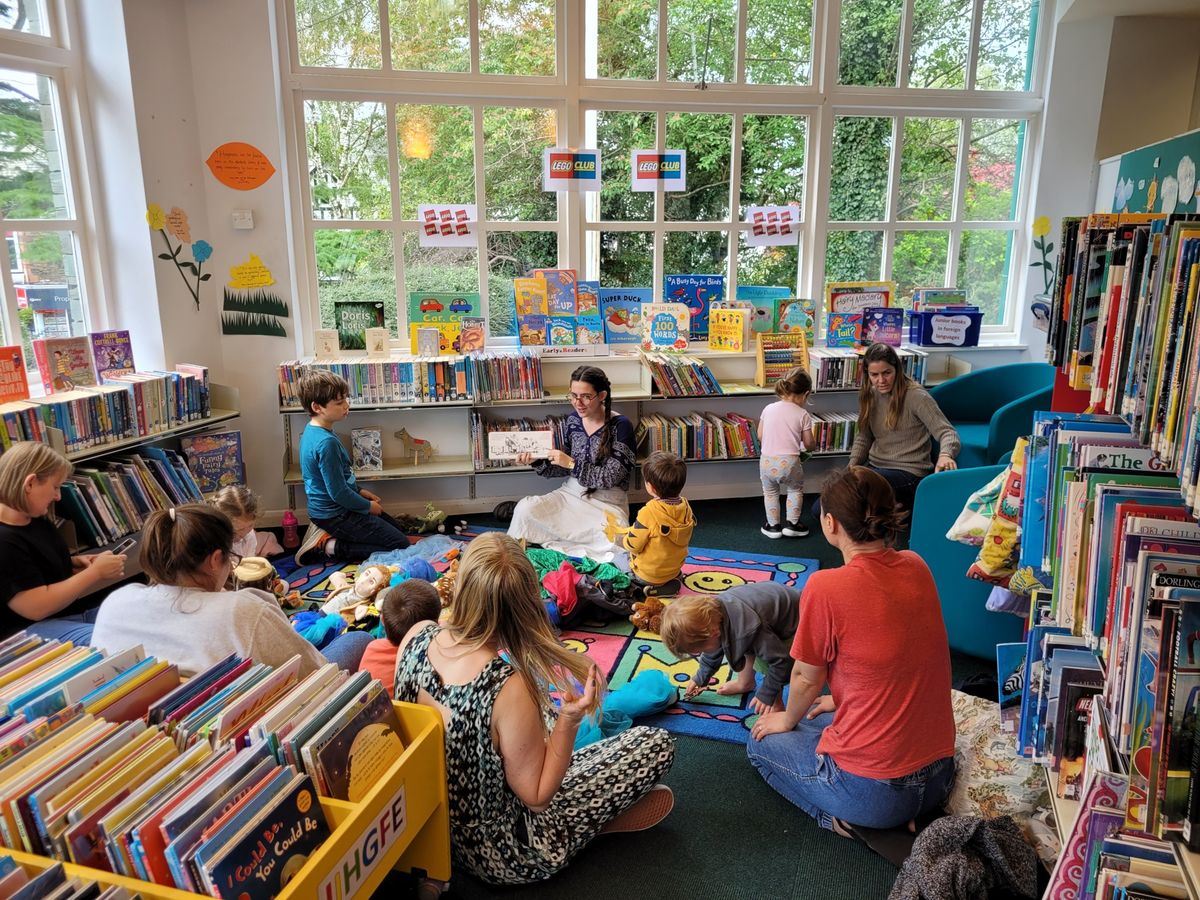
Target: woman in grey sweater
<point>897,424</point>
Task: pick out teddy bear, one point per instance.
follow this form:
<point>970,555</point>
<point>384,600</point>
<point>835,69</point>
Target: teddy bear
<point>647,614</point>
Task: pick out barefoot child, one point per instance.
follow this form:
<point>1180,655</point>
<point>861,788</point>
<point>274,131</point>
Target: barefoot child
<point>748,621</point>
<point>786,432</point>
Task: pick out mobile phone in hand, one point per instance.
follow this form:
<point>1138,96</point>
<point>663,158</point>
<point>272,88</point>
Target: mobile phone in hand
<point>125,546</point>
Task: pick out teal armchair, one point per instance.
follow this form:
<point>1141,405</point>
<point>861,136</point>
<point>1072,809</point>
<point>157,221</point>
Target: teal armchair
<point>971,627</point>
<point>991,408</point>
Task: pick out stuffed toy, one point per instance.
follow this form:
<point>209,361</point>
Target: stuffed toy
<point>445,584</point>
<point>361,590</point>
<point>433,520</point>
<point>257,572</point>
<point>647,614</point>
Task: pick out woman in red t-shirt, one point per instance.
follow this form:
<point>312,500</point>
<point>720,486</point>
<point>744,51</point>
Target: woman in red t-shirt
<point>878,750</point>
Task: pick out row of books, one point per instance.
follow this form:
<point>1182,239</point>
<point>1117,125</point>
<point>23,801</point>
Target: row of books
<point>840,369</point>
<point>481,427</point>
<point>834,432</point>
<point>52,882</point>
<point>677,375</point>
<point>699,436</point>
<point>110,500</point>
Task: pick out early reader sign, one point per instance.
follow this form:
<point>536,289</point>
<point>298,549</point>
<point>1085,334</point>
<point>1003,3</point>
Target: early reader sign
<point>570,170</point>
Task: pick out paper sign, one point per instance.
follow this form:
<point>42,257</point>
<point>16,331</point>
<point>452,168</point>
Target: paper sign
<point>649,169</point>
<point>570,170</point>
<point>253,273</point>
<point>772,226</point>
<point>447,225</point>
<point>950,330</point>
<point>240,166</point>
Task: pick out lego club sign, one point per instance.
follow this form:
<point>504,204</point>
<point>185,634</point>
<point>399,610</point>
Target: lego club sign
<point>570,170</point>
<point>649,169</point>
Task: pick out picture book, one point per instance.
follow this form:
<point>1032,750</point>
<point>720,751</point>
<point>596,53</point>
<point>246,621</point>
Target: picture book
<point>366,449</point>
<point>855,296</point>
<point>14,385</point>
<point>727,330</point>
<point>765,302</point>
<point>112,352</point>
<point>352,318</point>
<point>1010,666</point>
<point>621,309</point>
<point>508,444</point>
<point>883,325</point>
<point>377,340</point>
<point>587,298</point>
<point>533,330</point>
<point>64,363</point>
<point>562,331</point>
<point>215,459</point>
<point>473,336</point>
<point>325,343</point>
<point>695,292</point>
<point>560,290</point>
<point>531,296</point>
<point>665,327</point>
<point>589,329</point>
<point>798,314</point>
<point>936,298</point>
<point>361,752</point>
<point>843,329</point>
<point>448,334</point>
<point>429,340</point>
<point>431,307</point>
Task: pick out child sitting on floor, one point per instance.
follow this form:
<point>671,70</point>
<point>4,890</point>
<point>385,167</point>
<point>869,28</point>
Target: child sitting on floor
<point>241,505</point>
<point>658,540</point>
<point>401,607</point>
<point>748,621</point>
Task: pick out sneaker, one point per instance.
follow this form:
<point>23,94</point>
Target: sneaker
<point>795,529</point>
<point>772,531</point>
<point>670,589</point>
<point>314,540</point>
<point>647,811</point>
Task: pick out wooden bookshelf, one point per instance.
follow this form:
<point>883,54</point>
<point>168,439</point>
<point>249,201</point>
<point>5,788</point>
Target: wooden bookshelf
<point>438,467</point>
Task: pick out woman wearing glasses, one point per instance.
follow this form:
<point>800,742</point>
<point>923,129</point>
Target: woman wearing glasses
<point>597,460</point>
<point>185,616</point>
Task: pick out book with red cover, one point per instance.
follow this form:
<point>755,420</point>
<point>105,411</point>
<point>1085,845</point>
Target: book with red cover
<point>64,363</point>
<point>14,385</point>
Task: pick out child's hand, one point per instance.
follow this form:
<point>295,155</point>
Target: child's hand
<point>692,690</point>
<point>761,708</point>
<point>376,508</point>
<point>823,705</point>
<point>364,492</point>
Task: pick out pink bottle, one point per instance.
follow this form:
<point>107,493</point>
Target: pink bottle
<point>291,535</point>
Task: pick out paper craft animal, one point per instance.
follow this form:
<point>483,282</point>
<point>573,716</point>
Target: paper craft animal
<point>417,448</point>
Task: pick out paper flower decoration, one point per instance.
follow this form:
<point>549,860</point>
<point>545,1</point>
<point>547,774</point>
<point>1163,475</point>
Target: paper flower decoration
<point>201,250</point>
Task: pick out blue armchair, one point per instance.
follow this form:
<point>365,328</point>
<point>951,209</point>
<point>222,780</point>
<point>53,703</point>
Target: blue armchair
<point>971,627</point>
<point>991,408</point>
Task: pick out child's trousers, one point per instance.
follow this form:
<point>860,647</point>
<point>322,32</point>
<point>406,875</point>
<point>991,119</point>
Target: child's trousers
<point>782,474</point>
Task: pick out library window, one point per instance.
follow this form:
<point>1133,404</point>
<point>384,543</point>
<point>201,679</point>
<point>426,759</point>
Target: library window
<point>895,128</point>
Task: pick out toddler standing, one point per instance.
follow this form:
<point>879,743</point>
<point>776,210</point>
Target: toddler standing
<point>785,431</point>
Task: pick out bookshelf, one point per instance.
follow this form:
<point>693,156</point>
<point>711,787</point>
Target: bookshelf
<point>1065,811</point>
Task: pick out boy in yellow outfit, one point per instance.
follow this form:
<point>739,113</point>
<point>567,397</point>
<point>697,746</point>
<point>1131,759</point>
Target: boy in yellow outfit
<point>657,541</point>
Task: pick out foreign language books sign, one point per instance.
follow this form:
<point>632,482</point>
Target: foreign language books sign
<point>649,169</point>
<point>570,170</point>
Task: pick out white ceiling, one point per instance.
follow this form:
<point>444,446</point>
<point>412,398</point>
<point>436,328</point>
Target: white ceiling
<point>1076,10</point>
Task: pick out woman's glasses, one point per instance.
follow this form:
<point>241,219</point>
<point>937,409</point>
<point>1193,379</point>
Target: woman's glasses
<point>235,559</point>
<point>580,398</point>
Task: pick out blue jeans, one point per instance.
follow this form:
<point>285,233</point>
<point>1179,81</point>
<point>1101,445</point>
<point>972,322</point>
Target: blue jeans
<point>346,650</point>
<point>76,629</point>
<point>814,782</point>
<point>904,484</point>
<point>361,534</point>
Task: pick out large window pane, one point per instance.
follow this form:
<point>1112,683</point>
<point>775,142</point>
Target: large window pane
<point>862,147</point>
<point>438,268</point>
<point>355,264</point>
<point>708,140</point>
<point>31,158</point>
<point>918,261</point>
<point>516,37</point>
<point>626,39</point>
<point>853,256</point>
<point>1006,45</point>
<point>626,259</point>
<point>437,156</point>
<point>992,169</point>
<point>338,33</point>
<point>430,35</point>
<point>700,37</point>
<point>511,254</point>
<point>46,276</point>
<point>779,41</point>
<point>771,266</point>
<point>695,253</point>
<point>28,16</point>
<point>616,135</point>
<point>940,36</point>
<point>983,261</point>
<point>347,159</point>
<point>513,140</point>
<point>773,160</point>
<point>870,42</point>
<point>928,162</point>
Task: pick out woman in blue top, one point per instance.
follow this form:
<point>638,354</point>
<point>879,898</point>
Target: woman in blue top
<point>597,461</point>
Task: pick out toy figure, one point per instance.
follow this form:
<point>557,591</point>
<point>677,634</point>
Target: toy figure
<point>361,591</point>
<point>257,572</point>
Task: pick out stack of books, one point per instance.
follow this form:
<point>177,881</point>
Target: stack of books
<point>383,381</point>
<point>481,427</point>
<point>679,375</point>
<point>699,436</point>
<point>840,368</point>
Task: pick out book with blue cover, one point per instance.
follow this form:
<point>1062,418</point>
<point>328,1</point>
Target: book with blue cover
<point>560,290</point>
<point>765,301</point>
<point>696,292</point>
<point>587,298</point>
<point>215,459</point>
<point>883,325</point>
<point>621,309</point>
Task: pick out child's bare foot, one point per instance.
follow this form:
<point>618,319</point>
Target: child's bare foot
<point>841,828</point>
<point>739,685</point>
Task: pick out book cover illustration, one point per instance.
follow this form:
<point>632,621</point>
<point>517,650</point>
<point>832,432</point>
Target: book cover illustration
<point>429,340</point>
<point>531,296</point>
<point>1010,669</point>
<point>855,296</point>
<point>473,335</point>
<point>112,352</point>
<point>842,329</point>
<point>589,330</point>
<point>621,309</point>
<point>325,343</point>
<point>798,314</point>
<point>935,298</point>
<point>362,751</point>
<point>883,325</point>
<point>765,301</point>
<point>727,330</point>
<point>64,363</point>
<point>13,383</point>
<point>366,449</point>
<point>215,459</point>
<point>352,318</point>
<point>509,444</point>
<point>431,307</point>
<point>587,298</point>
<point>560,290</point>
<point>696,292</point>
<point>532,330</point>
<point>665,327</point>
<point>562,331</point>
<point>449,335</point>
<point>377,340</point>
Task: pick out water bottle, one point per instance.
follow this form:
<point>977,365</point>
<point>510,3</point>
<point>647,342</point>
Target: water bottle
<point>291,536</point>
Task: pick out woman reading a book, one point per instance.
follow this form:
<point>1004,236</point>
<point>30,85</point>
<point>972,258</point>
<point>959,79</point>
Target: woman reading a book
<point>523,802</point>
<point>878,749</point>
<point>186,616</point>
<point>597,462</point>
<point>41,577</point>
<point>897,423</point>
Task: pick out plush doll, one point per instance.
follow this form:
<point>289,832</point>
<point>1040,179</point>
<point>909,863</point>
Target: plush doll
<point>445,584</point>
<point>257,572</point>
<point>647,614</point>
<point>362,590</point>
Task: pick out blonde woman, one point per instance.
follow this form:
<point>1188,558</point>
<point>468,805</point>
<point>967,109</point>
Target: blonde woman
<point>41,577</point>
<point>522,804</point>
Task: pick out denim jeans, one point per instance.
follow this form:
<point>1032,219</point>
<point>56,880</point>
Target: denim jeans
<point>361,534</point>
<point>76,629</point>
<point>346,650</point>
<point>814,782</point>
<point>904,485</point>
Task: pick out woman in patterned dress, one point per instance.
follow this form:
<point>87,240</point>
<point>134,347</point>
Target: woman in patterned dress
<point>522,803</point>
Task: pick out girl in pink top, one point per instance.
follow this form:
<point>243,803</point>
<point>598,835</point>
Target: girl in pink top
<point>785,431</point>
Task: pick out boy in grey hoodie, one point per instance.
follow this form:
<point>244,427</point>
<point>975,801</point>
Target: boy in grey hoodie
<point>745,622</point>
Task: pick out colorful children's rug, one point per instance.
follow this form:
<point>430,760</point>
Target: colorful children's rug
<point>621,651</point>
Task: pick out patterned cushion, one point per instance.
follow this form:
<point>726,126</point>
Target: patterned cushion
<point>992,780</point>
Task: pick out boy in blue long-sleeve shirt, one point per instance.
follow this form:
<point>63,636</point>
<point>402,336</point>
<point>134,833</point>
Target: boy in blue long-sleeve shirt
<point>348,523</point>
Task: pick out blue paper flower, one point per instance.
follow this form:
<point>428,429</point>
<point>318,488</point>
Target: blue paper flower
<point>201,251</point>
